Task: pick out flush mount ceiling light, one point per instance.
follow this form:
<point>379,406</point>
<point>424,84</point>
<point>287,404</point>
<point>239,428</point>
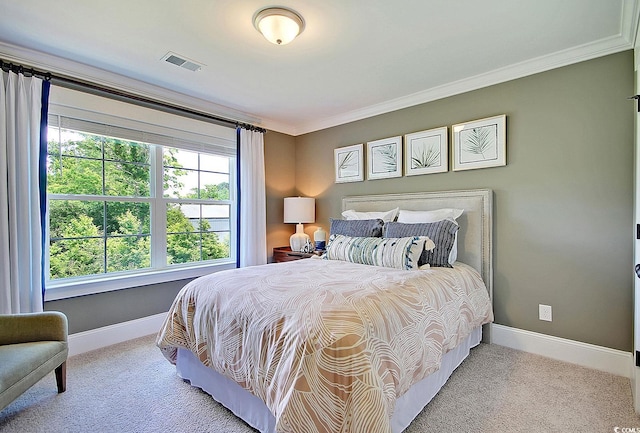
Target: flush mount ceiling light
<point>278,25</point>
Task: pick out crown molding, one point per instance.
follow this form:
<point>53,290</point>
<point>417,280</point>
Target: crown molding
<point>559,59</point>
<point>630,20</point>
<point>624,40</point>
<point>83,72</point>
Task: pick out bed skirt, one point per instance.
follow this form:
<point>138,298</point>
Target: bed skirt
<point>255,413</point>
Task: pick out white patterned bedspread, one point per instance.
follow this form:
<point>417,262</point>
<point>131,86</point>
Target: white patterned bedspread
<point>328,345</point>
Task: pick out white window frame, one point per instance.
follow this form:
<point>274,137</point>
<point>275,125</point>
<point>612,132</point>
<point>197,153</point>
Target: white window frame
<point>160,129</point>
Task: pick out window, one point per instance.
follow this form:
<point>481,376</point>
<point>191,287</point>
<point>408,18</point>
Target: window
<point>99,198</point>
<point>126,203</point>
<point>198,207</point>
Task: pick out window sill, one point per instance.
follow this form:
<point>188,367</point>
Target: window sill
<point>70,289</point>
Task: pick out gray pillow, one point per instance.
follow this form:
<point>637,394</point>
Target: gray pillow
<point>442,233</point>
<point>357,228</point>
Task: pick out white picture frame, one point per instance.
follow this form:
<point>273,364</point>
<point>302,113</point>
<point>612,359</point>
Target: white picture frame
<point>384,158</point>
<point>426,152</point>
<point>480,143</point>
<point>349,163</point>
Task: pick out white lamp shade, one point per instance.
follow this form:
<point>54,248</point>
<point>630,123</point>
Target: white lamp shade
<point>299,210</point>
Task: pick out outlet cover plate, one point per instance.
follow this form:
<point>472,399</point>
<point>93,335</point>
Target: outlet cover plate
<point>544,312</point>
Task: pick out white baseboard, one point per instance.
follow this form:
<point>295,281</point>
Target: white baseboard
<point>634,390</point>
<point>587,355</point>
<point>93,339</point>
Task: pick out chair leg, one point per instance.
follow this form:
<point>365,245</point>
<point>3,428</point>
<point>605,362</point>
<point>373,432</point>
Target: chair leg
<point>61,377</point>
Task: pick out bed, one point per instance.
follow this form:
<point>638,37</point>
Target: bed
<point>333,346</point>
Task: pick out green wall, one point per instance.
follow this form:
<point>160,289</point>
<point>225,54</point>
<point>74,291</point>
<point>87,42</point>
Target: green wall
<point>563,205</point>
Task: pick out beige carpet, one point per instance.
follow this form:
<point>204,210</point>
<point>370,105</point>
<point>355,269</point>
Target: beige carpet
<point>130,387</point>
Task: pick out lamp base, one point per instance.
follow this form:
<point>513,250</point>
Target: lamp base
<point>298,240</point>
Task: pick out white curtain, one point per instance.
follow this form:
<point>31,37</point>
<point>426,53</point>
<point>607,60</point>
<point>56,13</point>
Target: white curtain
<point>253,214</point>
<point>20,221</point>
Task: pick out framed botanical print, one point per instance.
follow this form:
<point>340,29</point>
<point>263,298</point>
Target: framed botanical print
<point>384,158</point>
<point>349,163</point>
<point>480,143</point>
<point>426,152</point>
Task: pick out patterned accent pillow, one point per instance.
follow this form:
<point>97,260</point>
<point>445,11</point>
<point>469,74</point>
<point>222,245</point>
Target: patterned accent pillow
<point>442,233</point>
<point>357,228</point>
<point>432,216</point>
<point>398,253</point>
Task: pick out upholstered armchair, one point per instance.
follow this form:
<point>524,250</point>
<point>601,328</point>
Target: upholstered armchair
<point>31,346</point>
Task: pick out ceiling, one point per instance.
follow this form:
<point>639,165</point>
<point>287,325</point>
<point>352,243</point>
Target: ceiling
<point>354,59</point>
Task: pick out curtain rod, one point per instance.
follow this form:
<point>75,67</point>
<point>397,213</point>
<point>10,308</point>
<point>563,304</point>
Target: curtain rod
<point>124,96</point>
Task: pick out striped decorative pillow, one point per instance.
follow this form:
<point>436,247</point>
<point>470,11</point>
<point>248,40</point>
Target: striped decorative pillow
<point>442,233</point>
<point>357,228</point>
<point>398,253</point>
<point>432,216</point>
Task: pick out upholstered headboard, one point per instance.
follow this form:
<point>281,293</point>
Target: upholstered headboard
<point>475,243</point>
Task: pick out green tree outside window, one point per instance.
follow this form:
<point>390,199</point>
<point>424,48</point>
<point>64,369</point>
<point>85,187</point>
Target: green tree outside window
<point>94,236</point>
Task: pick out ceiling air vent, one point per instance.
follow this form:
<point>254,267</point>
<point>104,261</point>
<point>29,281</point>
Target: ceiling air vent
<point>181,61</point>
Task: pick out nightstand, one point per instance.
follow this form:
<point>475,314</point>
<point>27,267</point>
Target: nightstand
<point>284,254</point>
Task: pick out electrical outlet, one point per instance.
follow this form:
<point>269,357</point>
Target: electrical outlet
<point>544,312</point>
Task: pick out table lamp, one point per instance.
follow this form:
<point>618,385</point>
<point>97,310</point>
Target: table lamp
<point>299,210</point>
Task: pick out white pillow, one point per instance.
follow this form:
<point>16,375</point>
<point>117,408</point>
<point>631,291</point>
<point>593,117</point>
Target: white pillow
<point>432,216</point>
<point>428,216</point>
<point>387,216</point>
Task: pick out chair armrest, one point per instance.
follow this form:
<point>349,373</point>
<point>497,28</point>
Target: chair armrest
<point>28,327</point>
